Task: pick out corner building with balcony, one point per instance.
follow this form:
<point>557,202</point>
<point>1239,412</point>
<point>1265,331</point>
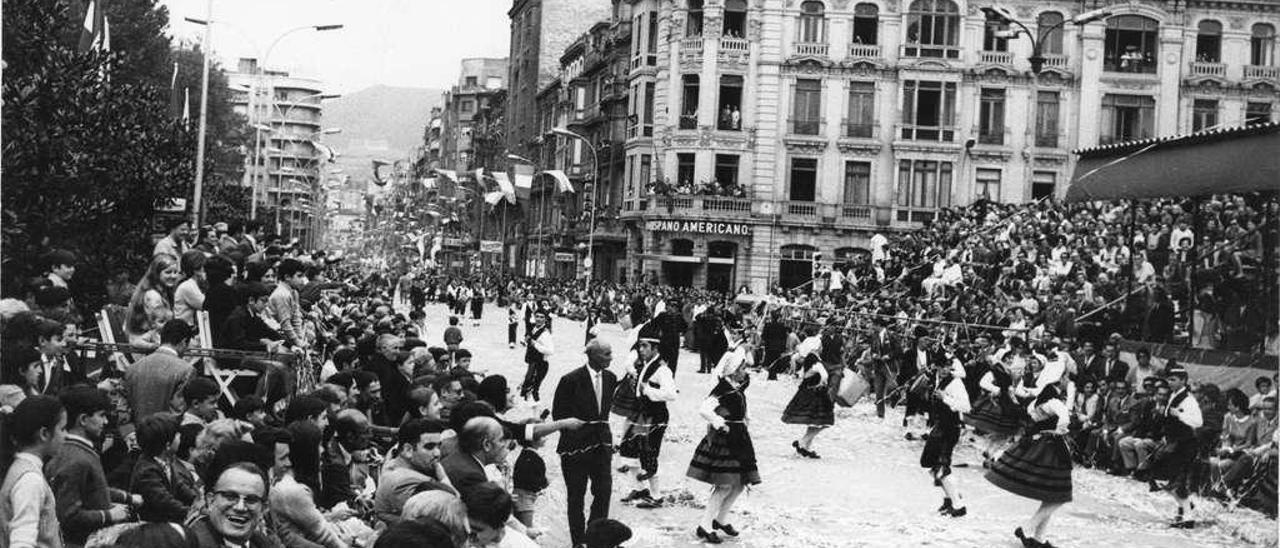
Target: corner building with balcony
<point>764,132</point>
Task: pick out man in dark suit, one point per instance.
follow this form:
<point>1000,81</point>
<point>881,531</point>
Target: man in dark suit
<point>1110,368</point>
<point>586,393</point>
<point>152,383</point>
<point>672,325</point>
<point>482,441</point>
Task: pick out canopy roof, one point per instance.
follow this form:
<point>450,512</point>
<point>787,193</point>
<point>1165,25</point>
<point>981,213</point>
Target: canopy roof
<point>1231,160</point>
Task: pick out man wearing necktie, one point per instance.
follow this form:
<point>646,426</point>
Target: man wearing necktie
<point>586,454</point>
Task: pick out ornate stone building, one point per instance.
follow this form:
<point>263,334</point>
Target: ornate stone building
<point>774,131</point>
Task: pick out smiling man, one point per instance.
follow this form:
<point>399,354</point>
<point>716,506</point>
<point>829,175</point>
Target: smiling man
<point>233,510</point>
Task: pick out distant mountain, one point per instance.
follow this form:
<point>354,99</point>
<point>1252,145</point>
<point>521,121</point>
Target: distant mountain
<point>386,117</point>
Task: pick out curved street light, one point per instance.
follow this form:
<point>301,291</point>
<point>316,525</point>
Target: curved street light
<point>589,262</point>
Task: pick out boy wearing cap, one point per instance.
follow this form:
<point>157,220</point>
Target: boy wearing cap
<point>1182,418</point>
<point>655,386</point>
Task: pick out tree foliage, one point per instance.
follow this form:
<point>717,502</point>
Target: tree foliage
<point>85,155</point>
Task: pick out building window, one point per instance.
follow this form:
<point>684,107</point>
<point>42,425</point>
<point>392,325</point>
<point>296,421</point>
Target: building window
<point>1131,43</point>
<point>933,29</point>
<point>986,185</point>
<point>729,118</point>
<point>1262,45</point>
<point>693,25</point>
<point>1047,119</point>
<point>1127,118</point>
<point>991,116</point>
<point>472,81</point>
<point>646,165</point>
<point>631,175</point>
<point>862,110</point>
<point>1209,42</point>
<point>804,179</point>
<point>648,109</point>
<point>685,163</point>
<point>467,106</point>
<point>1043,184</point>
<point>924,184</point>
<point>866,23</point>
<point>735,18</point>
<point>813,23</point>
<point>689,101</point>
<point>636,27</point>
<point>928,110</point>
<point>806,108</point>
<point>651,46</point>
<point>1257,113</point>
<point>1204,114</point>
<point>727,169</point>
<point>857,183</point>
<point>1051,44</point>
<point>992,39</point>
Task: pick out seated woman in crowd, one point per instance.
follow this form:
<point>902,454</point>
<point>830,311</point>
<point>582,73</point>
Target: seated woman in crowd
<point>152,302</point>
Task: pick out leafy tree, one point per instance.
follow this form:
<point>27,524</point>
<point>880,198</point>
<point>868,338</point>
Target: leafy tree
<point>85,156</point>
<point>227,140</point>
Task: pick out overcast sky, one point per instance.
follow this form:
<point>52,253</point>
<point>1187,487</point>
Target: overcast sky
<point>412,43</point>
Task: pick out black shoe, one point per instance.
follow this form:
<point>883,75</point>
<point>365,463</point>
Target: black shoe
<point>946,506</point>
<point>636,495</point>
<point>799,450</point>
<point>649,503</point>
<point>1152,486</point>
<point>1027,542</point>
<point>646,476</point>
<point>911,437</point>
<point>709,538</point>
<point>959,512</point>
<point>725,528</point>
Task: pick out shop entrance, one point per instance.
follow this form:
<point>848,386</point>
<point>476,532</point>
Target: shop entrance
<point>720,265</point>
<point>796,266</point>
<point>680,273</point>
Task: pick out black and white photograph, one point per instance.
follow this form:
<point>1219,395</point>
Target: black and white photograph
<point>639,273</point>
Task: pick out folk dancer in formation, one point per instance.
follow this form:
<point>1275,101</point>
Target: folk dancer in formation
<point>1178,458</point>
<point>726,457</point>
<point>995,414</point>
<point>655,386</point>
<point>477,305</point>
<point>947,403</point>
<point>539,347</point>
<point>1038,466</point>
<point>811,406</point>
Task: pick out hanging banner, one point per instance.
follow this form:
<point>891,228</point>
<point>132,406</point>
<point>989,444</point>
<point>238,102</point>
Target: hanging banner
<point>562,180</point>
<point>490,246</point>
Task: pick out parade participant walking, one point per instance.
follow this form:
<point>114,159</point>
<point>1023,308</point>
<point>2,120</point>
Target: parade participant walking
<point>586,453</point>
<point>477,305</point>
<point>948,402</point>
<point>1181,419</point>
<point>538,348</point>
<point>1039,465</point>
<point>655,386</point>
<point>726,457</point>
<point>811,406</point>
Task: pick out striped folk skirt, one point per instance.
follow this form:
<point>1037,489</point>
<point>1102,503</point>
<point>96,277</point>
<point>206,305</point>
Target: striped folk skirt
<point>725,458</point>
<point>811,406</point>
<point>992,417</point>
<point>1037,467</point>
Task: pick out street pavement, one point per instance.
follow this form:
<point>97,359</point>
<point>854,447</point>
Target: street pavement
<point>867,490</point>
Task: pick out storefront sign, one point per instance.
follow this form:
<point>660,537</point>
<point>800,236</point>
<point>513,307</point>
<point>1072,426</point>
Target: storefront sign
<point>700,227</point>
<point>451,242</point>
<point>490,246</point>
<point>564,257</point>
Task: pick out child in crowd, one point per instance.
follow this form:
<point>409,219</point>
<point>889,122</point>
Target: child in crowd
<point>607,533</point>
<point>453,335</point>
<point>528,479</point>
<point>28,511</point>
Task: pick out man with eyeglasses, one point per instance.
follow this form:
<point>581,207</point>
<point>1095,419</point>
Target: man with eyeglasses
<point>414,469</point>
<point>233,510</point>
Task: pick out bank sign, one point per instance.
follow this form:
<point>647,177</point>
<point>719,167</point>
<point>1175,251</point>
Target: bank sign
<point>700,227</point>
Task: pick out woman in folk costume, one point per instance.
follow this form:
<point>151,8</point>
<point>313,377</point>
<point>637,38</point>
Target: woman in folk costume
<point>1039,465</point>
<point>655,386</point>
<point>946,405</point>
<point>726,457</point>
<point>811,406</point>
<point>995,413</point>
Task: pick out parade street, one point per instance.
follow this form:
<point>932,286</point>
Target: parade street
<point>867,490</point>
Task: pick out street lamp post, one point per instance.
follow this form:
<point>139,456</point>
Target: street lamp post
<point>537,260</point>
<point>1004,16</point>
<point>589,262</point>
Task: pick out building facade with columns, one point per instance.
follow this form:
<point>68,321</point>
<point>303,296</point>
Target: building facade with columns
<point>764,133</point>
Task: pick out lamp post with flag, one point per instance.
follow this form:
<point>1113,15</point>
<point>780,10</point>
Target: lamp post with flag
<point>589,261</point>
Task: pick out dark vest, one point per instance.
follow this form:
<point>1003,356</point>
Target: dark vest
<point>1174,428</point>
<point>531,354</point>
<point>649,407</point>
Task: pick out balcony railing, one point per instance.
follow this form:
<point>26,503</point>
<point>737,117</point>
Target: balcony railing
<point>1200,68</point>
<point>800,209</point>
<point>991,136</point>
<point>859,129</point>
<point>1055,60</point>
<point>864,51</point>
<point>1049,140</point>
<point>851,211</point>
<point>691,45</point>
<point>915,132</point>
<point>728,205</point>
<point>688,121</point>
<point>1261,72</point>
<point>995,57</point>
<point>739,45</point>
<point>810,49</point>
<point>805,127</point>
<point>931,51</point>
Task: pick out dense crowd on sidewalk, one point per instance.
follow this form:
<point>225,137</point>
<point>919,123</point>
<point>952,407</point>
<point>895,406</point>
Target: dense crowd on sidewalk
<point>360,429</point>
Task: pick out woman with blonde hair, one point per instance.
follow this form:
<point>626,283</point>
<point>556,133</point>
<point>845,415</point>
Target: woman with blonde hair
<point>152,302</point>
<point>440,506</point>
